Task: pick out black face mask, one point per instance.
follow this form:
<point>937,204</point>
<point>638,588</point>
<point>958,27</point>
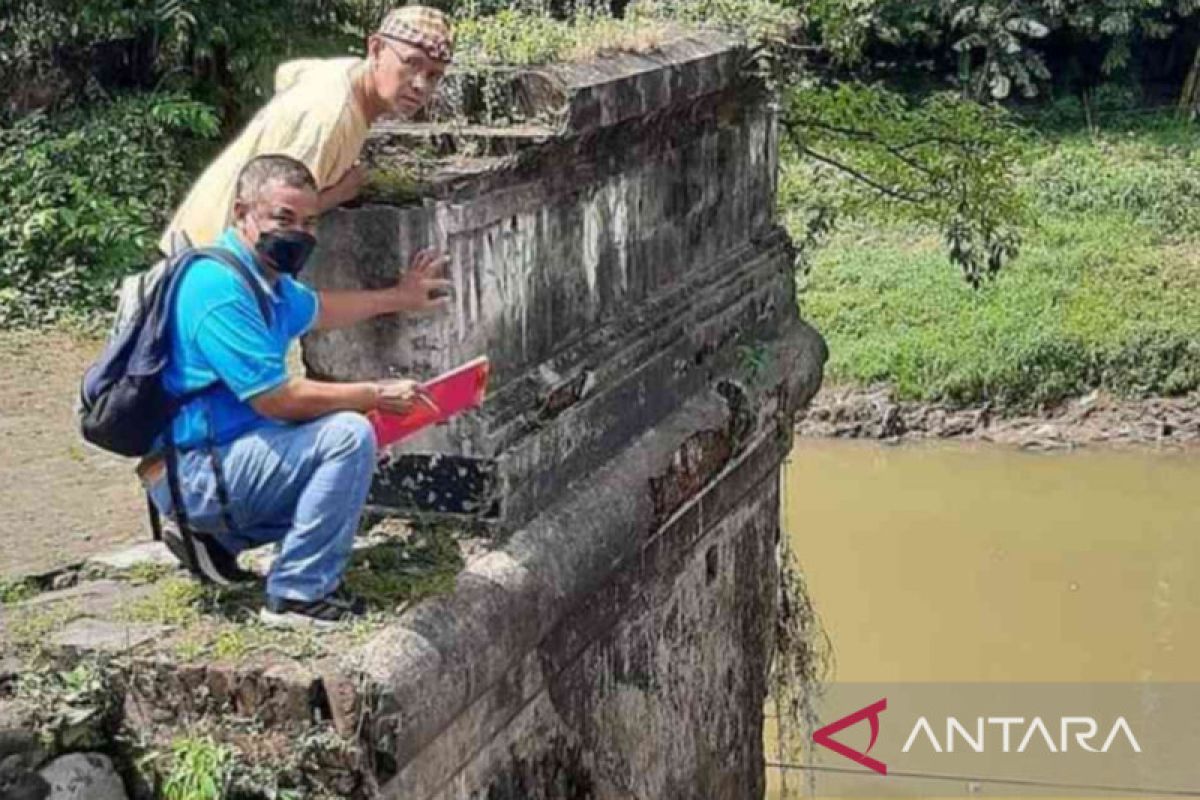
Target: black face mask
<point>286,251</point>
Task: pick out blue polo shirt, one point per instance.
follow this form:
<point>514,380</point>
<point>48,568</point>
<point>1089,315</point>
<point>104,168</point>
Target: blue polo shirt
<point>219,336</point>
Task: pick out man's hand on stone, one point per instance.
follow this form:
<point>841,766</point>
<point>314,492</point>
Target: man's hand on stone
<point>401,396</point>
<point>422,287</point>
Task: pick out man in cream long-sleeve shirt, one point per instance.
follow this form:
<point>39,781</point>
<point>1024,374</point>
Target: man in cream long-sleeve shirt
<point>320,115</point>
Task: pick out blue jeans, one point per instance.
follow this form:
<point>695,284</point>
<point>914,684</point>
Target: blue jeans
<point>302,485</point>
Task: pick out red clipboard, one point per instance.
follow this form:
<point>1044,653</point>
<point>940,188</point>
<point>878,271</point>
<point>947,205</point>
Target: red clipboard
<point>455,391</point>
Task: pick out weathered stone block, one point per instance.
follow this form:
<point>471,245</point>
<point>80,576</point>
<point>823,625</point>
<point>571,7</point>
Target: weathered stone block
<point>147,553</point>
<point>289,694</point>
<point>83,776</point>
<point>21,749</point>
<point>88,635</point>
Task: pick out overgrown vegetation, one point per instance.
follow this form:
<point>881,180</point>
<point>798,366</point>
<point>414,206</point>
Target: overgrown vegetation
<point>942,161</point>
<point>176,600</point>
<point>233,758</point>
<point>529,32</point>
<point>993,50</point>
<point>28,628</point>
<point>222,52</point>
<point>395,574</point>
<point>77,706</point>
<point>222,624</point>
<point>85,194</point>
<point>214,752</point>
<point>71,708</point>
<point>800,666</point>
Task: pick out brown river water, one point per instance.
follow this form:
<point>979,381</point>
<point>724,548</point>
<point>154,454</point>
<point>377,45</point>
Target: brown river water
<point>973,564</point>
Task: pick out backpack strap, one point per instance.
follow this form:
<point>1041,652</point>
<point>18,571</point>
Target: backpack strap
<point>181,513</point>
<point>155,517</point>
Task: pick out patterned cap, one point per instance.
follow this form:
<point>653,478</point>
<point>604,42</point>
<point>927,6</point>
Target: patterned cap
<point>420,26</point>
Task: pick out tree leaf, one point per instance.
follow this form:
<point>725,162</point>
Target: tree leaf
<point>1000,86</point>
<point>1027,27</point>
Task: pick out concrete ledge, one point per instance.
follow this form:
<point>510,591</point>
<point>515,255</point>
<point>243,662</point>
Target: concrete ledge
<point>576,99</point>
<point>441,656</point>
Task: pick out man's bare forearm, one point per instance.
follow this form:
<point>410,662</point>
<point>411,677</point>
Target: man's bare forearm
<point>342,309</point>
<point>302,399</point>
<point>329,199</point>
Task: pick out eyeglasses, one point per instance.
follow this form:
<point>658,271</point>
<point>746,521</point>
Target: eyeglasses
<point>404,58</point>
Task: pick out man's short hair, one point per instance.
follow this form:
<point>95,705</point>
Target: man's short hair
<point>262,171</point>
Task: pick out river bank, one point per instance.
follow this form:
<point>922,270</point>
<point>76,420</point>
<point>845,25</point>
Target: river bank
<point>1105,293</point>
<point>1098,418</point>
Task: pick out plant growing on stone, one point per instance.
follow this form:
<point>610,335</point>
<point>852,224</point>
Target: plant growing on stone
<point>395,184</point>
<point>29,626</point>
<point>72,708</point>
<point>145,572</point>
<point>200,769</point>
<point>753,360</point>
<point>759,22</point>
<point>18,591</point>
<point>800,663</point>
<point>239,758</point>
<point>314,759</point>
<point>175,601</point>
<point>530,32</point>
<point>395,574</point>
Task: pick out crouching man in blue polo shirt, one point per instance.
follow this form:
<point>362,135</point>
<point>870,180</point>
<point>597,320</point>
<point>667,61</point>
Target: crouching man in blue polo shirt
<point>261,457</point>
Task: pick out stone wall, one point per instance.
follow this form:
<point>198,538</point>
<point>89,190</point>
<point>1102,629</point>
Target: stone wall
<point>622,268</point>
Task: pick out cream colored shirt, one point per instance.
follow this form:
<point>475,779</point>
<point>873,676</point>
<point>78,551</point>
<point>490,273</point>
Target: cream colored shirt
<point>313,117</point>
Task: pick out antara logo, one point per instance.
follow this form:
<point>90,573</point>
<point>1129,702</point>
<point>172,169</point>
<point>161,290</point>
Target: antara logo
<point>1083,731</point>
<point>824,736</point>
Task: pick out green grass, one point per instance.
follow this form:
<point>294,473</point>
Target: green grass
<point>174,601</point>
<point>1105,293</point>
<point>28,630</point>
<point>222,623</point>
<point>395,574</point>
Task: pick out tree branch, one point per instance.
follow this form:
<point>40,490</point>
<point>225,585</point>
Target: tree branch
<point>855,133</point>
<point>895,194</point>
<point>895,152</point>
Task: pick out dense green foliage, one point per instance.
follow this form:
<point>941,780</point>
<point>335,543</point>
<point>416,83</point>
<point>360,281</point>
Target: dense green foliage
<point>105,109</point>
<point>220,51</point>
<point>995,49</point>
<point>85,194</point>
<point>1106,292</point>
<point>200,769</point>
